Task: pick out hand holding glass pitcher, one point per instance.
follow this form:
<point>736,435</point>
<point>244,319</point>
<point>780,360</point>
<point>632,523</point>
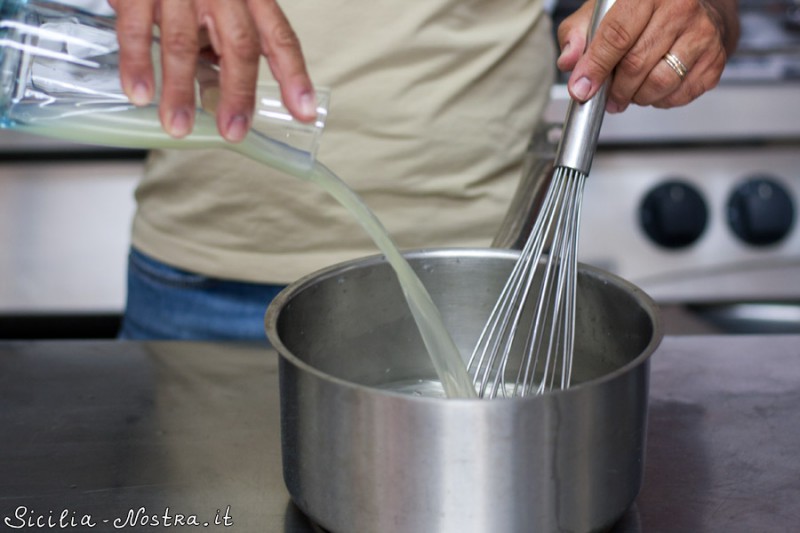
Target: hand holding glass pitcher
<point>61,75</point>
<point>236,33</point>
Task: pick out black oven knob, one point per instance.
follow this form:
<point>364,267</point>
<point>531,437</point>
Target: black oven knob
<point>760,211</point>
<point>674,214</point>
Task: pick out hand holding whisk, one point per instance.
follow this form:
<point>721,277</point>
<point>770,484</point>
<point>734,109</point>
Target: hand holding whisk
<point>528,342</point>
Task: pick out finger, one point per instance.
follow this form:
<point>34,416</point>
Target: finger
<point>236,42</point>
<point>572,37</point>
<point>285,57</point>
<point>179,51</point>
<point>703,76</point>
<point>642,76</point>
<point>135,35</point>
<point>699,49</point>
<point>664,78</point>
<point>642,72</point>
<point>616,34</point>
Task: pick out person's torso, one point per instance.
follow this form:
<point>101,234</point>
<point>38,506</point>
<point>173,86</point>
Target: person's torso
<point>432,106</point>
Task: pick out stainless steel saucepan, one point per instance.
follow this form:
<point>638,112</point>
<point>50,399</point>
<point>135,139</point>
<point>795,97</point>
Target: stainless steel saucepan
<point>359,458</point>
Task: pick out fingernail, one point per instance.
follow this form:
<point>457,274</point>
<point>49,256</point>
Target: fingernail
<point>613,107</point>
<point>581,88</point>
<point>140,95</point>
<point>180,125</point>
<point>238,127</point>
<point>308,105</point>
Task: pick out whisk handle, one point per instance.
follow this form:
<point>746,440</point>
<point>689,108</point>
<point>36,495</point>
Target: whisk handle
<point>582,124</point>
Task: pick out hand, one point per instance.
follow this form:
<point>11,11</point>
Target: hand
<point>236,33</point>
<point>632,40</point>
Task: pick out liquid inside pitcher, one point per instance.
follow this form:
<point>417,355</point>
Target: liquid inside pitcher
<point>59,77</point>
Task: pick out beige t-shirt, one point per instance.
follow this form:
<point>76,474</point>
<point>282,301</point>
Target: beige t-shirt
<point>432,105</point>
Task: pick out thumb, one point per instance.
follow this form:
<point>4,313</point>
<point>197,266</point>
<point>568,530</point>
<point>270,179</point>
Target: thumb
<point>616,34</point>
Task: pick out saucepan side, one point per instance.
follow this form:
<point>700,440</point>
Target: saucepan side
<point>357,457</point>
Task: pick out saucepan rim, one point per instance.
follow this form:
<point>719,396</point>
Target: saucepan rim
<point>279,302</point>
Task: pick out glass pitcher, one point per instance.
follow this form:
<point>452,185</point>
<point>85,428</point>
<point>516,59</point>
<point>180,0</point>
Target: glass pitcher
<point>59,77</point>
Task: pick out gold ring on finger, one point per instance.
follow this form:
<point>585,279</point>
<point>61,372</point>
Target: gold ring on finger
<point>676,65</point>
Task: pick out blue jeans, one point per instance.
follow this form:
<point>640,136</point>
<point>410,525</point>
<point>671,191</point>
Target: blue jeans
<point>168,303</point>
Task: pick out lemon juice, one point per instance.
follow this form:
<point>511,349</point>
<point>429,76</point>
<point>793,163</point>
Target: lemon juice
<point>127,126</point>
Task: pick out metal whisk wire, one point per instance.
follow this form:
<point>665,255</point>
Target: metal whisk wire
<point>548,346</point>
<point>540,293</point>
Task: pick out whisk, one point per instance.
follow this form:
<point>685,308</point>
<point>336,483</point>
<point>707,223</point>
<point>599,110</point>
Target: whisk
<point>527,345</point>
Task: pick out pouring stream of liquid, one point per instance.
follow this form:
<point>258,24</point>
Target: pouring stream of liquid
<point>132,127</point>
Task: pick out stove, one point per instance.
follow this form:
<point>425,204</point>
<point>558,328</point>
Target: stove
<point>697,223</point>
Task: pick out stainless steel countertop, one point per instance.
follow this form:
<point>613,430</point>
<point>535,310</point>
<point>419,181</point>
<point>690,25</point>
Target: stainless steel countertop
<point>103,429</point>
